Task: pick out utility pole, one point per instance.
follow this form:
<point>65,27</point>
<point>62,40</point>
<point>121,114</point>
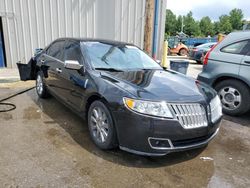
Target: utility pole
<point>148,28</point>
<point>182,25</point>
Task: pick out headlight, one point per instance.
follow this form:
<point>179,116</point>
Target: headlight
<point>216,109</point>
<point>159,109</point>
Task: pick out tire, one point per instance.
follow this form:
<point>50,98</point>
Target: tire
<point>199,62</point>
<point>183,52</point>
<point>101,126</point>
<point>41,88</point>
<point>234,95</point>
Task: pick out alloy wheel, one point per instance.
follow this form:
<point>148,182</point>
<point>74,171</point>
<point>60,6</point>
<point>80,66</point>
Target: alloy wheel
<point>39,84</point>
<point>99,124</point>
<point>230,98</point>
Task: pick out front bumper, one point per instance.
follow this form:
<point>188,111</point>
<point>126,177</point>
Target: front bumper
<point>150,136</point>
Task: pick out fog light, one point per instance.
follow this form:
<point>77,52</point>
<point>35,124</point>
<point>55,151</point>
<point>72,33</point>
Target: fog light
<point>158,143</point>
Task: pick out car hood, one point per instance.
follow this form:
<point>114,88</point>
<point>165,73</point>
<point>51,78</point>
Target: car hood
<point>160,85</point>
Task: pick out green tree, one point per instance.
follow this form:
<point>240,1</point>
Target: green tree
<point>216,27</point>
<point>171,22</point>
<point>197,29</point>
<point>225,24</point>
<point>206,26</point>
<point>191,27</point>
<point>236,17</point>
<point>179,24</point>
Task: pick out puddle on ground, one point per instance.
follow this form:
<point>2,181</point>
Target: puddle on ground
<point>6,116</point>
<point>31,113</point>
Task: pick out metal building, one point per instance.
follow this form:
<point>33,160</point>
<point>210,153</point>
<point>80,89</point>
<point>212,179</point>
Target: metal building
<point>29,24</point>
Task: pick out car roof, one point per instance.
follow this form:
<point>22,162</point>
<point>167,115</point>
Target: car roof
<point>236,36</point>
<point>232,38</point>
<point>113,42</point>
<point>239,34</point>
<point>206,44</point>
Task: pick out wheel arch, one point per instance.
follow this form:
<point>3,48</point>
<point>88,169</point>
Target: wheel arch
<point>96,96</point>
<point>222,78</point>
<point>93,97</point>
<point>243,88</point>
<point>41,68</point>
<point>182,48</point>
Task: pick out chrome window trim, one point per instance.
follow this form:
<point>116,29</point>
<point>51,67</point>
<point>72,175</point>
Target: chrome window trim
<point>53,58</point>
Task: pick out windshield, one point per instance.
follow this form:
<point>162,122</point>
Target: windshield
<point>121,57</point>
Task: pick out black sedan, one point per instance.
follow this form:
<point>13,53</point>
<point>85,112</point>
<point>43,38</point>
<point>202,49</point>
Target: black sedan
<point>198,53</point>
<point>129,101</point>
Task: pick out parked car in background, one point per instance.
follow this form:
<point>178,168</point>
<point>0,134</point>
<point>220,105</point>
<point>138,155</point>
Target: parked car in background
<point>246,26</point>
<point>227,69</point>
<point>129,100</point>
<point>197,53</point>
<point>193,42</point>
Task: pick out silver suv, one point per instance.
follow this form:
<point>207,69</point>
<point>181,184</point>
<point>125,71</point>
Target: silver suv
<point>227,69</point>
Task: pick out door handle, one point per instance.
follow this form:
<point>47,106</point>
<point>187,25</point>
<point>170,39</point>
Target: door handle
<point>248,62</point>
<point>58,70</point>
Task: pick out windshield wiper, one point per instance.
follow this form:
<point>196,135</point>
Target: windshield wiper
<point>151,69</point>
<point>110,69</point>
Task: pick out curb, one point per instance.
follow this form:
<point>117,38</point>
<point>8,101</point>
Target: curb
<point>9,80</point>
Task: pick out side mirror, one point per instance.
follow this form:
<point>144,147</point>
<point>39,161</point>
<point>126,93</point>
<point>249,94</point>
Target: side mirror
<point>37,51</point>
<point>72,64</point>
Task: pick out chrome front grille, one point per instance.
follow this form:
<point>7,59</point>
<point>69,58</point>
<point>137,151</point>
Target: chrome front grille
<point>190,115</point>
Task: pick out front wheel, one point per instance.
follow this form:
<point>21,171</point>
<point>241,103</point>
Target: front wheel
<point>183,52</point>
<point>101,126</point>
<point>234,95</point>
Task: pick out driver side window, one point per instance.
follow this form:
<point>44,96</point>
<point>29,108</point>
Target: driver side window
<point>56,50</point>
<point>73,52</point>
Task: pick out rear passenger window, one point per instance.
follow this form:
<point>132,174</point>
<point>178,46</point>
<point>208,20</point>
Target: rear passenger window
<point>73,52</point>
<point>56,49</point>
<point>246,49</point>
<point>236,48</point>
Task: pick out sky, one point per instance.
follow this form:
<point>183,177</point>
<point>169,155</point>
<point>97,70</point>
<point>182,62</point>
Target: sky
<point>211,8</point>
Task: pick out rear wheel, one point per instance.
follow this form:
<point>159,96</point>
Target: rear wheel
<point>101,126</point>
<point>234,95</point>
<point>41,88</point>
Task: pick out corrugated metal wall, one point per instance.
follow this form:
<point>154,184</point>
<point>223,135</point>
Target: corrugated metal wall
<point>29,24</point>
